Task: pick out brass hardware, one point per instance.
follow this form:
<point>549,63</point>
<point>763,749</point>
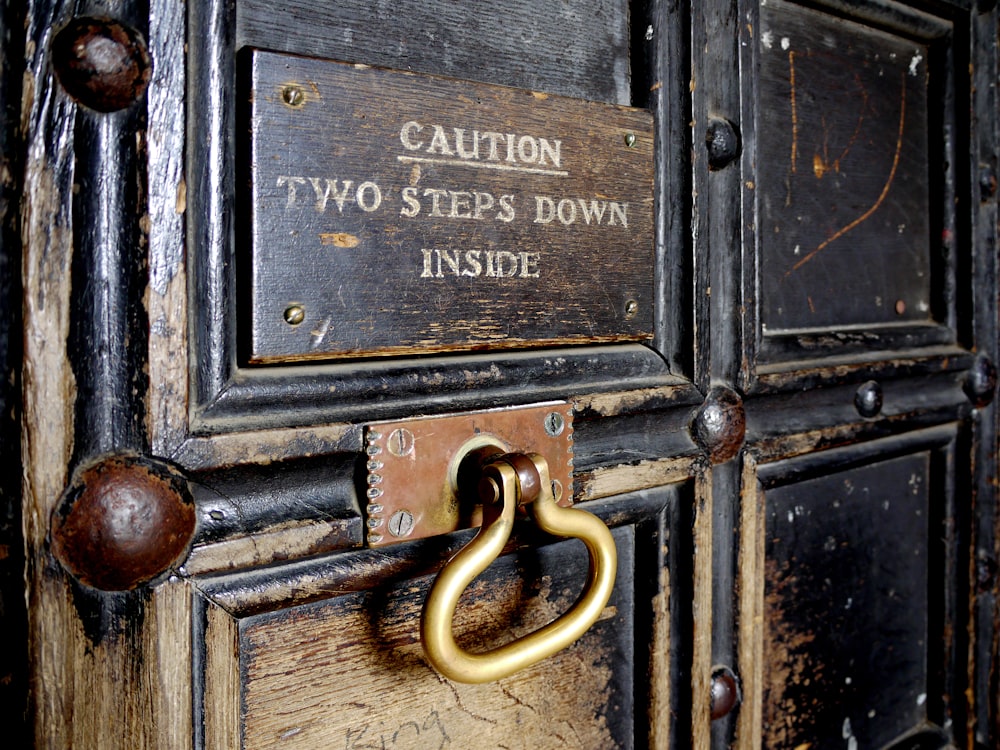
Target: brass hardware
<point>509,481</point>
<point>413,465</point>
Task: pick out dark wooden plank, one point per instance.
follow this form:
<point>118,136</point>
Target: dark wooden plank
<point>844,173</point>
<point>847,612</point>
<point>578,49</point>
<point>13,609</point>
<point>395,213</point>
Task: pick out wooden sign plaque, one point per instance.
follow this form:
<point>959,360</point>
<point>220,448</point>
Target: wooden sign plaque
<point>396,213</point>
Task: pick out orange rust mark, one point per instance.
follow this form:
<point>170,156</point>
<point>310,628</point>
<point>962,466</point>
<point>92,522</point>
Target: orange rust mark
<point>878,201</point>
<point>822,164</point>
<point>795,112</point>
<point>812,307</point>
<point>819,166</point>
<point>339,239</point>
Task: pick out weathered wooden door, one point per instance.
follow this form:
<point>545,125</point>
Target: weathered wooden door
<point>729,266</point>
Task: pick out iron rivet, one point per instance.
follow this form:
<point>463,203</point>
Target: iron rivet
<point>868,399</point>
<point>554,424</point>
<point>725,692</point>
<point>293,96</point>
<point>987,183</point>
<point>294,314</point>
<point>101,63</point>
<point>722,142</point>
<point>630,140</point>
<point>719,425</point>
<point>401,523</point>
<point>981,381</point>
<point>631,308</point>
<point>122,522</point>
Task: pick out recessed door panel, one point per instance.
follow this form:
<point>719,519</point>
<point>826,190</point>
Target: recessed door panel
<point>844,167</point>
<point>848,606</point>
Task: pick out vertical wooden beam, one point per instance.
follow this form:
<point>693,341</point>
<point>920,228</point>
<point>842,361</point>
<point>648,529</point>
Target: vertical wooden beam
<point>750,583</point>
<point>701,668</point>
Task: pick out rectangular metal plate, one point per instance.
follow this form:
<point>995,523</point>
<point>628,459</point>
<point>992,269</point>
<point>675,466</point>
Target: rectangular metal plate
<point>413,463</point>
<point>395,213</point>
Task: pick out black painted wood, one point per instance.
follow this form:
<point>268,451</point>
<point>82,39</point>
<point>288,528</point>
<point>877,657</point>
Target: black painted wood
<point>579,49</point>
<point>13,613</point>
<point>852,621</point>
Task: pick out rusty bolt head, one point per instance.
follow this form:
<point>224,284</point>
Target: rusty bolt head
<point>101,63</point>
<point>981,381</point>
<point>725,692</point>
<point>868,399</point>
<point>722,142</point>
<point>987,183</point>
<point>719,426</point>
<point>122,522</point>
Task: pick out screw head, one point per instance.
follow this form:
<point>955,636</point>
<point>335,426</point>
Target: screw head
<point>400,442</point>
<point>294,314</point>
<point>401,523</point>
<point>293,96</point>
<point>630,140</point>
<point>555,423</point>
<point>631,308</point>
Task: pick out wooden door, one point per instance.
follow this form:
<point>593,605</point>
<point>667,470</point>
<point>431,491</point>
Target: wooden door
<point>760,328</point>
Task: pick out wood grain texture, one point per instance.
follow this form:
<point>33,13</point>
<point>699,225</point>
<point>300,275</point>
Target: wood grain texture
<point>579,49</point>
<point>750,584</point>
<point>221,681</point>
<point>351,672</point>
<point>166,298</point>
<point>701,611</point>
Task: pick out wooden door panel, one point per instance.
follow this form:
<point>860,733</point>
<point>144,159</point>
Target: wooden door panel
<point>843,173</point>
<point>853,613</point>
<point>797,457</point>
<point>314,669</point>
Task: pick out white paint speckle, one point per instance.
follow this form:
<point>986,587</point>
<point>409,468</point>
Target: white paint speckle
<point>914,63</point>
<point>649,33</point>
<point>921,699</point>
<point>848,681</point>
<point>901,228</point>
<point>767,39</point>
<point>923,306</point>
<point>785,42</point>
<point>846,730</point>
<point>850,603</point>
<point>852,743</point>
<point>791,517</point>
<point>871,714</point>
<point>798,249</point>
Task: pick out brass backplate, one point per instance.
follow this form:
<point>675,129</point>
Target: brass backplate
<point>413,465</point>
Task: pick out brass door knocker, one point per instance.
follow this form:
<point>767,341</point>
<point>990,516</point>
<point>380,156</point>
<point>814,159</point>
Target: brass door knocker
<point>508,481</point>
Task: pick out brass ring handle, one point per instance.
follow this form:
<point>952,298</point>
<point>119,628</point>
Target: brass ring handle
<point>502,481</point>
